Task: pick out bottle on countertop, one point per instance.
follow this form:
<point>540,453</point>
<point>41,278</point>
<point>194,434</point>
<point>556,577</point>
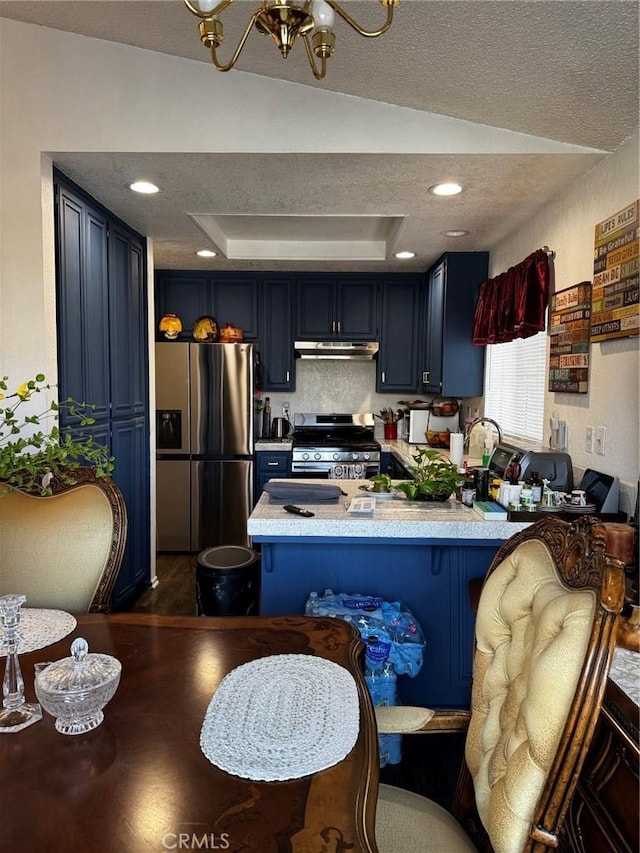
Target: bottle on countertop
<point>512,472</point>
<point>266,418</point>
<point>537,486</point>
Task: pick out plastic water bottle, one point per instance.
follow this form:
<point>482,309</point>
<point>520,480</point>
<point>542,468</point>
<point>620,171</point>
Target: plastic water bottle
<point>381,680</point>
<point>311,607</point>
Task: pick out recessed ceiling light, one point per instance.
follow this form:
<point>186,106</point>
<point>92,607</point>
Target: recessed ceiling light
<point>206,253</point>
<point>445,189</point>
<point>404,255</point>
<point>455,232</point>
<point>145,187</point>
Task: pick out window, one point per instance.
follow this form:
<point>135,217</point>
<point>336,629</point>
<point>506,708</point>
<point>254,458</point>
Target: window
<point>515,385</point>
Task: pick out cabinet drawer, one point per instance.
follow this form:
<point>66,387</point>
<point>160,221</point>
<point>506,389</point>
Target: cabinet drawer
<point>274,463</point>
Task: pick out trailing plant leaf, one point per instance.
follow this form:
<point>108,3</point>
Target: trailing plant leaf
<point>29,459</point>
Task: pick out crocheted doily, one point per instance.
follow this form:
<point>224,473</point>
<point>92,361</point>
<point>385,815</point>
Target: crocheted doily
<point>281,717</point>
<point>41,627</point>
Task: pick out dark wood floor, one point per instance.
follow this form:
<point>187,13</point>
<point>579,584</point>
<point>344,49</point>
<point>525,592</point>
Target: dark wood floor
<point>175,594</point>
<point>429,763</point>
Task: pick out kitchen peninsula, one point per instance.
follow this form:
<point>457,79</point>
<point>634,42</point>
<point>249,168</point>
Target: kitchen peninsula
<point>423,554</point>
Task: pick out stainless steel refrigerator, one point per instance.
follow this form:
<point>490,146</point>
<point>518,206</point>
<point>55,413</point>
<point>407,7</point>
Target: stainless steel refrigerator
<point>204,434</point>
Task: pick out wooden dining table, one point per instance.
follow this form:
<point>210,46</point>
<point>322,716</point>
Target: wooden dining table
<point>140,781</point>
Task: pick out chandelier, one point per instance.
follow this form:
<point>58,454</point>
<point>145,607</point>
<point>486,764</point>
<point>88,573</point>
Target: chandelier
<point>284,22</point>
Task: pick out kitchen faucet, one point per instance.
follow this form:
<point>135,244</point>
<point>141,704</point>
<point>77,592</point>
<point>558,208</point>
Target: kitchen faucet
<point>482,421</point>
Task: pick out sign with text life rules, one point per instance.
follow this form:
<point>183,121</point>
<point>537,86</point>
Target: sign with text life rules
<point>615,307</point>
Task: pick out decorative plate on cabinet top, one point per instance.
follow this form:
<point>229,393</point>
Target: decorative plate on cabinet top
<point>205,329</point>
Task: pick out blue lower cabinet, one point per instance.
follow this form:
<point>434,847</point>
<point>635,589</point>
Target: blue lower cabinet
<point>129,447</point>
<point>271,465</point>
<point>430,578</point>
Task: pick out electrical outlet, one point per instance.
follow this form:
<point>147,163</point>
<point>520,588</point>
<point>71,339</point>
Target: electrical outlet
<point>599,439</point>
<point>588,440</point>
<point>285,410</point>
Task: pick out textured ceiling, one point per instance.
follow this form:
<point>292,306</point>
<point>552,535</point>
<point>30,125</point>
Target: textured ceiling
<point>562,70</point>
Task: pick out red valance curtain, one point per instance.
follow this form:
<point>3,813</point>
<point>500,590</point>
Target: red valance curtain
<point>513,304</point>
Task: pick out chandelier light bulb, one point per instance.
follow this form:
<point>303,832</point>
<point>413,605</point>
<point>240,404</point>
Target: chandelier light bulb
<point>323,15</point>
<point>205,5</point>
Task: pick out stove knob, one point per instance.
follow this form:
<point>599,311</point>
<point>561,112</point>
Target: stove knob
<point>336,456</point>
<point>305,455</point>
<point>317,456</point>
<point>354,456</point>
<point>366,456</point>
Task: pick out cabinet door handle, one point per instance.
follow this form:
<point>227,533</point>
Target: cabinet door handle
<point>339,324</point>
<point>272,464</point>
<point>286,376</point>
<point>383,377</point>
<point>333,325</point>
<point>425,377</point>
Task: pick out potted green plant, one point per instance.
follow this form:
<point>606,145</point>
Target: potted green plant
<point>434,477</point>
<point>33,450</point>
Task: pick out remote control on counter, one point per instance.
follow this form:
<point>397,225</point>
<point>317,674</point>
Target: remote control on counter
<point>296,510</point>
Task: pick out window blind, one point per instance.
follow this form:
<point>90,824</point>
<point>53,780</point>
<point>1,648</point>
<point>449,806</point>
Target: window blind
<point>515,381</point>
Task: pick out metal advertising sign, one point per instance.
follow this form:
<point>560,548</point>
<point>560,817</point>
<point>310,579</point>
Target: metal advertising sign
<point>615,306</point>
<point>569,330</point>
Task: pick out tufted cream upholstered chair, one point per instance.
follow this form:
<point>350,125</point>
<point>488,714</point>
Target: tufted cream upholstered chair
<point>63,550</point>
<point>545,634</point>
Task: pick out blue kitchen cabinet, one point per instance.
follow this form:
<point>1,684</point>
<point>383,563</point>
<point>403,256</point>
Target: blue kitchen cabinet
<point>183,294</point>
<point>230,298</point>
<point>271,465</point>
<point>82,280</point>
<point>129,446</point>
<point>127,324</point>
<point>277,371</point>
<point>103,354</point>
<point>330,308</point>
<point>386,463</point>
<point>234,299</point>
<point>400,315</point>
<point>452,365</point>
<point>431,577</point>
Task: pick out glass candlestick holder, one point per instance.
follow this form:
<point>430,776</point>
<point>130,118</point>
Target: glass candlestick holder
<point>15,714</point>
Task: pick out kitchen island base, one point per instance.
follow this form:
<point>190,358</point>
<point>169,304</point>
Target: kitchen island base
<point>431,577</point>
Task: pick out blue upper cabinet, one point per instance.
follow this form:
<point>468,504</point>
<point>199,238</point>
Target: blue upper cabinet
<point>276,342</point>
<point>127,324</point>
<point>400,302</point>
<point>230,298</point>
<point>183,294</point>
<point>330,308</point>
<point>235,300</point>
<point>452,365</point>
<point>83,302</point>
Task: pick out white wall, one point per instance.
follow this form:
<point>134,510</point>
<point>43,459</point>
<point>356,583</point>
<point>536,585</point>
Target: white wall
<point>567,226</point>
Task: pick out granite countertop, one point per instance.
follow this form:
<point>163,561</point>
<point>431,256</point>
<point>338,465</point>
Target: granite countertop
<point>393,518</point>
<point>273,444</point>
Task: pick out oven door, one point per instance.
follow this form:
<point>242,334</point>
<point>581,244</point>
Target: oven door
<point>334,470</point>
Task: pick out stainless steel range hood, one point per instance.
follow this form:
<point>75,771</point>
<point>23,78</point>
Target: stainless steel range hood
<point>356,351</point>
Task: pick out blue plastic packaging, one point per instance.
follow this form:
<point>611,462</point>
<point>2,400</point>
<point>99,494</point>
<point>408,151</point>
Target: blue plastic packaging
<point>395,646</point>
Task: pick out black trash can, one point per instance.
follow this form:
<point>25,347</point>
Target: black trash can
<point>228,581</point>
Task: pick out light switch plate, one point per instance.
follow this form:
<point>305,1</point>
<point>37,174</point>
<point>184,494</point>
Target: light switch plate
<point>599,440</point>
<point>588,440</point>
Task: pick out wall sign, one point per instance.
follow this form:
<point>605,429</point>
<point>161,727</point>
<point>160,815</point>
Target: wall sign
<point>569,330</point>
<point>615,307</point>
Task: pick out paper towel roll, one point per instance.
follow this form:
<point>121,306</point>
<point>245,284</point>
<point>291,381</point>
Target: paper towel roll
<point>456,448</point>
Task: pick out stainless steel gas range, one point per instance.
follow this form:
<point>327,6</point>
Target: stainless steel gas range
<point>336,446</point>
